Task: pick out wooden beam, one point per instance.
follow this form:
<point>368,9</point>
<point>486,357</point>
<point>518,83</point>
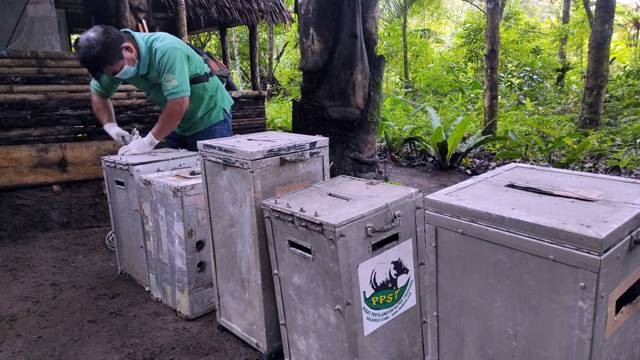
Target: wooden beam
<point>35,54</point>
<point>41,164</point>
<point>253,55</point>
<point>33,89</point>
<point>54,63</point>
<point>181,20</point>
<point>123,14</point>
<point>6,98</point>
<point>43,71</point>
<point>224,45</point>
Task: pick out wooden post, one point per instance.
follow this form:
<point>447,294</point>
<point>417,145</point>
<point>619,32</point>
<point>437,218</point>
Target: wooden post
<point>253,54</point>
<point>181,20</point>
<point>270,76</point>
<point>224,45</point>
<point>123,14</point>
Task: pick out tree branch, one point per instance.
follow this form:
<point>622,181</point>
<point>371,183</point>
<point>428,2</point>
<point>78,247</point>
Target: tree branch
<point>470,2</point>
<point>587,8</point>
<point>503,4</point>
<point>279,56</point>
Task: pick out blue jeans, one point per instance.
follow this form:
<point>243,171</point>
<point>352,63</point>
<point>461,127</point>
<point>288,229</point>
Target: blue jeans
<point>218,130</point>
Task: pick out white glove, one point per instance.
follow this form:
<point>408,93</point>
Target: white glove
<point>139,146</point>
<point>120,136</point>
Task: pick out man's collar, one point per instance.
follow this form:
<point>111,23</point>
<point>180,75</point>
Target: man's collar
<point>143,58</point>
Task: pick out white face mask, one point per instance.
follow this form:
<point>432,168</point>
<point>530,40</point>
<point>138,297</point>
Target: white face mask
<point>128,71</point>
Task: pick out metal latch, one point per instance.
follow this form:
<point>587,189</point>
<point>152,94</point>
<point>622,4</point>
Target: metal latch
<point>634,239</point>
<point>372,229</point>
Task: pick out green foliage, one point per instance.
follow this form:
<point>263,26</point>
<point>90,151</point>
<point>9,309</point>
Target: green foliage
<point>446,61</point>
<point>279,114</point>
<point>449,143</point>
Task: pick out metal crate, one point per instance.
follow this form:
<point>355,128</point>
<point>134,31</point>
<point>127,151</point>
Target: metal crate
<point>344,257</point>
<point>121,175</point>
<point>178,241</point>
<point>239,172</point>
<point>533,263</point>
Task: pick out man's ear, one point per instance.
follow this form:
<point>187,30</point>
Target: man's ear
<point>127,46</point>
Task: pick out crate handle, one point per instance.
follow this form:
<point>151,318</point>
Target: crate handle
<point>372,229</point>
<point>300,248</point>
<point>574,194</point>
<point>297,157</point>
<point>383,243</point>
<point>120,183</point>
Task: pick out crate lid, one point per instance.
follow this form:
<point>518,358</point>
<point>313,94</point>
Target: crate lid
<point>150,157</point>
<point>175,179</point>
<point>340,200</point>
<point>261,145</point>
<point>574,209</point>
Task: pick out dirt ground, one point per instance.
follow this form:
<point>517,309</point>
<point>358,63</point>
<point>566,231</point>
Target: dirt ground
<point>61,296</point>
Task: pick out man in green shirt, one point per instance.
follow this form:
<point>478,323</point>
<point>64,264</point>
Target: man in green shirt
<point>195,105</point>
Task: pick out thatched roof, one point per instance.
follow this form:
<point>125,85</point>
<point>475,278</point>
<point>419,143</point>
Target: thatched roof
<point>206,14</point>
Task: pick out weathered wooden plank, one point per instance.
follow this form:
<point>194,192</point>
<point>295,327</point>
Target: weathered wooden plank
<point>26,98</point>
<point>33,89</point>
<point>33,54</point>
<point>42,70</point>
<point>54,63</point>
<point>12,119</point>
<point>248,94</point>
<point>41,79</point>
<point>28,165</point>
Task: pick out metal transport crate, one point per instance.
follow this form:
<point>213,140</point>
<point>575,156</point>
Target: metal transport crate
<point>526,262</point>
<point>345,260</point>
<point>178,241</point>
<point>121,175</point>
<point>238,173</point>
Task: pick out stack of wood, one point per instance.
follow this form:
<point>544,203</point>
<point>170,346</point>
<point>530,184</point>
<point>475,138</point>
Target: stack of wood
<point>48,133</point>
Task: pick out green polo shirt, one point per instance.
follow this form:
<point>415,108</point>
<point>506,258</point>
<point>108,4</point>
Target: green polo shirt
<point>165,65</point>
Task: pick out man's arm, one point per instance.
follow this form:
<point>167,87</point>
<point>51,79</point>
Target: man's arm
<point>103,109</point>
<point>170,117</point>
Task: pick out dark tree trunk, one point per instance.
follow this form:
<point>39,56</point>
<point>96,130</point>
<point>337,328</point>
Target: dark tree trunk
<point>181,20</point>
<point>405,46</point>
<point>253,57</point>
<point>491,66</point>
<point>595,87</point>
<point>342,81</point>
<point>224,46</point>
<point>562,52</point>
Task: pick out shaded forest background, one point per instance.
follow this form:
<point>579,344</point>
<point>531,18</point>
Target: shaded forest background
<point>433,83</point>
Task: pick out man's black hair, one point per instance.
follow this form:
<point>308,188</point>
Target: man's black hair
<point>99,47</point>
